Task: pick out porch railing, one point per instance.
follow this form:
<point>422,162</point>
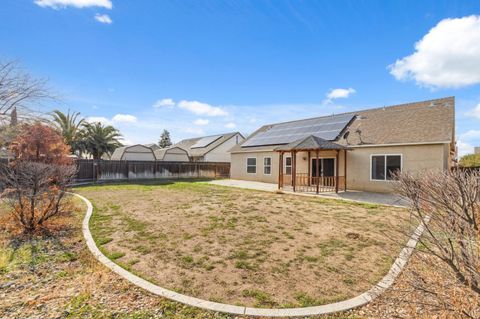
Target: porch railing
<point>306,183</point>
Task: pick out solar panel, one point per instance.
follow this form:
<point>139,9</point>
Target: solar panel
<point>205,141</point>
<point>328,128</point>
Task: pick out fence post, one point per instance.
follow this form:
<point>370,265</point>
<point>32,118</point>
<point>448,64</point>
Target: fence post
<point>99,172</point>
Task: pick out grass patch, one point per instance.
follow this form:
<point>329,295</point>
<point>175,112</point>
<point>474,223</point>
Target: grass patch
<point>115,255</point>
<point>262,299</point>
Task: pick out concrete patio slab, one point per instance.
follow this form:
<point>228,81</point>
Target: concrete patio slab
<point>357,196</point>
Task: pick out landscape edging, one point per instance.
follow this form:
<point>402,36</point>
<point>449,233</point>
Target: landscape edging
<point>345,305</point>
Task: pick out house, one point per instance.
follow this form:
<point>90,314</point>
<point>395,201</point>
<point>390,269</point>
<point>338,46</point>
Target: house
<point>357,150</point>
<point>136,152</point>
<point>477,150</point>
<point>153,146</point>
<point>172,154</point>
<point>214,148</point>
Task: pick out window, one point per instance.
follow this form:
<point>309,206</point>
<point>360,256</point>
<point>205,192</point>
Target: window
<point>267,165</point>
<point>251,165</point>
<point>384,166</point>
<point>288,165</point>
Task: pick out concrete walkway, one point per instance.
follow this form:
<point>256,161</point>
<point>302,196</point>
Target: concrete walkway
<point>357,196</point>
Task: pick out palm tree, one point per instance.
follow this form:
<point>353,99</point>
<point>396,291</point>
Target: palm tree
<point>70,128</point>
<point>98,139</point>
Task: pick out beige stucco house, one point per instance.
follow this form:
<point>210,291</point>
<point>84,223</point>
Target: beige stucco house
<point>214,148</point>
<point>357,150</point>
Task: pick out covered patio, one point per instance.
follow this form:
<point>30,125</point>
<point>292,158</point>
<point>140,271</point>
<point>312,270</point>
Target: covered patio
<point>312,165</point>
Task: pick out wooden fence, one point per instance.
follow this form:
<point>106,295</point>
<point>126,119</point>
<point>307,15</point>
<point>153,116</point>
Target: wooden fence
<point>104,170</point>
<point>90,170</point>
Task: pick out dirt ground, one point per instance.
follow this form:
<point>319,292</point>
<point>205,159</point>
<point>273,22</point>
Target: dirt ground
<point>54,275</point>
<point>246,247</point>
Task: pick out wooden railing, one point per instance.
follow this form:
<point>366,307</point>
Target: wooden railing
<point>306,183</point>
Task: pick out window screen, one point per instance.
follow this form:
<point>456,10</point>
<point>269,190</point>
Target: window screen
<point>288,166</point>
<point>394,164</point>
<point>267,165</point>
<point>378,167</point>
<point>251,165</point>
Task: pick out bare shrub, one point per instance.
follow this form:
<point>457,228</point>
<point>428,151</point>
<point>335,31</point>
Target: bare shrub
<point>36,191</point>
<point>448,275</point>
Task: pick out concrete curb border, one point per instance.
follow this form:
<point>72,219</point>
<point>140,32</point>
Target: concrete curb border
<point>345,305</point>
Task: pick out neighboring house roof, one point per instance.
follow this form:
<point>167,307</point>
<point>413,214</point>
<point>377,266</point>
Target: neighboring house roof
<point>423,122</point>
<point>120,151</point>
<point>160,153</point>
<point>200,146</point>
<point>309,143</point>
<point>153,146</point>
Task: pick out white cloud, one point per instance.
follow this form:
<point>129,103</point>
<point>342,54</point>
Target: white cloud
<point>164,103</point>
<point>466,141</point>
<point>124,118</point>
<point>475,112</point>
<point>201,122</point>
<point>200,108</point>
<point>101,119</point>
<point>448,56</point>
<point>340,93</point>
<point>470,135</point>
<point>103,18</point>
<point>57,4</point>
<point>230,125</point>
<point>118,118</point>
<point>464,148</point>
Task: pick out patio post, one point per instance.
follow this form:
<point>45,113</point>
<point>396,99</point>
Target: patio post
<point>317,171</point>
<point>291,167</point>
<point>308,169</point>
<point>280,170</point>
<point>336,170</point>
<point>345,170</point>
<point>294,169</point>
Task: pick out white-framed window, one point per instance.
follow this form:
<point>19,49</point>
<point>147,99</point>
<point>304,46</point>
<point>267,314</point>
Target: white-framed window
<point>267,166</point>
<point>251,165</point>
<point>383,166</point>
<point>288,165</point>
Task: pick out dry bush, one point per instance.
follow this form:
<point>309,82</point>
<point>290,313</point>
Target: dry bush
<point>40,143</point>
<point>447,278</point>
<point>36,191</point>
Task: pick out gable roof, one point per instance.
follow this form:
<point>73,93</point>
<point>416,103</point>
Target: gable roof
<point>153,146</point>
<point>119,151</point>
<point>188,144</point>
<point>309,143</point>
<point>426,122</point>
<point>161,152</point>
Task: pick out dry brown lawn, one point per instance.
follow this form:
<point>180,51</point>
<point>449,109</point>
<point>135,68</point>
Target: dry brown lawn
<point>245,247</point>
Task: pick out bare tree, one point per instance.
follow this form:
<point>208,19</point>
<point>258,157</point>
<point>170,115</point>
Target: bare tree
<point>36,191</point>
<point>18,89</point>
<point>447,275</point>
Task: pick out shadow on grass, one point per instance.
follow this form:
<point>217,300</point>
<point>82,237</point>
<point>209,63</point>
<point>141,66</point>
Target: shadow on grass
<point>33,248</point>
<point>142,182</point>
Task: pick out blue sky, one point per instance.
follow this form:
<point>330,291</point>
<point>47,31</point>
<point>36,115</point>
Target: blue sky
<point>206,67</point>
